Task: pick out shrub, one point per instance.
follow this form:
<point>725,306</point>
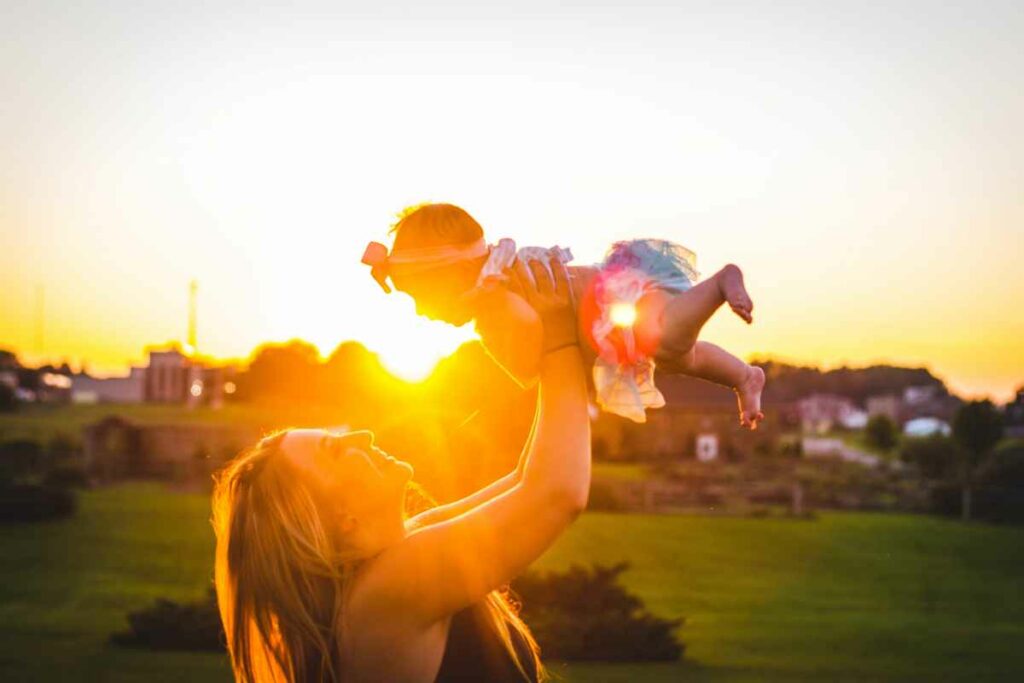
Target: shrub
<point>881,433</point>
<point>35,502</point>
<point>168,625</point>
<point>935,457</point>
<point>19,459</point>
<point>66,476</point>
<point>586,615</point>
<point>603,496</point>
<point>8,401</point>
<point>63,448</point>
<point>580,614</point>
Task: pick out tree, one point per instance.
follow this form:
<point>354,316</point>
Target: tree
<point>881,433</point>
<point>935,457</point>
<point>8,401</point>
<point>977,428</point>
<point>282,372</point>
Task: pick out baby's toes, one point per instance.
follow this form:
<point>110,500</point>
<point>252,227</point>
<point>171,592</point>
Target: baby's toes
<point>743,313</point>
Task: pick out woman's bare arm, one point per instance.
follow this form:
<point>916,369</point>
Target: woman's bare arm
<point>441,568</point>
<point>445,512</point>
<point>441,513</point>
<point>515,336</point>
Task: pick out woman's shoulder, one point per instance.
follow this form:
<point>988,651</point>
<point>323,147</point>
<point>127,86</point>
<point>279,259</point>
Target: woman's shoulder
<point>374,637</point>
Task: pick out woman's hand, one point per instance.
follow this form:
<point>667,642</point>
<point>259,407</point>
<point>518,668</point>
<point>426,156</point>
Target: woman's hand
<point>546,289</point>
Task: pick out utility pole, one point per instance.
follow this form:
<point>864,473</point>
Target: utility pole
<point>40,319</point>
<point>193,289</point>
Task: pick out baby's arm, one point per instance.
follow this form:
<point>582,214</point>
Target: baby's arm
<point>511,332</point>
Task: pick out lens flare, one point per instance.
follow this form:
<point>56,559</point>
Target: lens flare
<point>623,315</point>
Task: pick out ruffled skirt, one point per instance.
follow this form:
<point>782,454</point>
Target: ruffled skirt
<point>624,373</point>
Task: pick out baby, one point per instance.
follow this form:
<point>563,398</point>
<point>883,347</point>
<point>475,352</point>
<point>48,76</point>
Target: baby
<point>641,307</point>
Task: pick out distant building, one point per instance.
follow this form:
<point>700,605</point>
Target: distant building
<point>887,405</point>
<point>9,377</point>
<point>128,389</point>
<point>821,413</point>
<point>835,449</point>
<point>926,426</point>
<point>915,396</point>
<point>53,387</point>
<point>169,376</point>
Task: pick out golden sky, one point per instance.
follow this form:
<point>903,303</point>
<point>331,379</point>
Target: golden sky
<point>864,166</point>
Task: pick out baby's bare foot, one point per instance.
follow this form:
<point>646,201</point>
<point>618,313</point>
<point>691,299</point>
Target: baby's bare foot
<point>748,394</point>
<point>730,283</point>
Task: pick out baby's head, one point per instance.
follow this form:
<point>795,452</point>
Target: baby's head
<point>438,289</point>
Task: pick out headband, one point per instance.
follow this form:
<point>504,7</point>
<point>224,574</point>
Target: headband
<point>382,264</point>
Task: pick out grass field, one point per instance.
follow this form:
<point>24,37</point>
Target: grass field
<point>845,597</point>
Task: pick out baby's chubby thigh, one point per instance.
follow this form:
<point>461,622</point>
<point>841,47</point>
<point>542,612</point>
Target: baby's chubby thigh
<point>652,339</point>
<point>647,328</point>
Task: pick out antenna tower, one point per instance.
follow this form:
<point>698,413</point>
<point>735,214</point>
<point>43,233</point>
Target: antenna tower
<point>193,288</point>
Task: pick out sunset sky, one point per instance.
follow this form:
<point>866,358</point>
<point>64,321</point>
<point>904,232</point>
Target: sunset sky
<point>864,164</point>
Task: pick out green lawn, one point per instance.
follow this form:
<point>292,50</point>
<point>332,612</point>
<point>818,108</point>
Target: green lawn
<point>629,471</point>
<point>845,597</point>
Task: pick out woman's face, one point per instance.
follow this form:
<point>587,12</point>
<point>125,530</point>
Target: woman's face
<point>351,471</point>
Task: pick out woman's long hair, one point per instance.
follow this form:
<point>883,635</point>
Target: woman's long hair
<point>282,574</point>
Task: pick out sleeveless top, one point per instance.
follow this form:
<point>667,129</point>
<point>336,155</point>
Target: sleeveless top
<point>474,652</point>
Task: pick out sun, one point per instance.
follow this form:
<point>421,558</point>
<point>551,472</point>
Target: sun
<point>413,362</point>
<point>412,350</point>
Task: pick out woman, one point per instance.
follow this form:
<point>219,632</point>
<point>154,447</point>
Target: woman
<point>320,577</point>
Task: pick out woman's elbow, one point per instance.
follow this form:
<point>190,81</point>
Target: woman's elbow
<point>570,502</point>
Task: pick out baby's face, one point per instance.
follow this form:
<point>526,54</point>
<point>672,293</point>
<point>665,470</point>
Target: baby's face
<point>441,294</point>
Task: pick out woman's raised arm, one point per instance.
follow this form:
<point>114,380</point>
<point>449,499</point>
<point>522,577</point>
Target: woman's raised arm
<point>439,569</point>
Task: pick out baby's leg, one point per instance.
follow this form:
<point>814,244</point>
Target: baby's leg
<point>714,364</point>
<point>686,312</point>
<point>668,325</point>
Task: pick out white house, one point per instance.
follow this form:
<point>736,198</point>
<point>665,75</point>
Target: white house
<point>926,426</point>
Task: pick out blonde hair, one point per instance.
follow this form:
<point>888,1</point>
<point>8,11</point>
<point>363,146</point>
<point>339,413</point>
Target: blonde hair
<point>282,574</point>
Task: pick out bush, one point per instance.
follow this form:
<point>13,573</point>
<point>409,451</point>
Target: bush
<point>1006,468</point>
<point>66,476</point>
<point>586,615</point>
<point>935,457</point>
<point>19,459</point>
<point>35,502</point>
<point>881,433</point>
<point>8,401</point>
<point>604,497</point>
<point>580,614</point>
<point>168,625</point>
<point>999,505</point>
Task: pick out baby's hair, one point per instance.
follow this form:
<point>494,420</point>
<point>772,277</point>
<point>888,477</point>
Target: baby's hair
<point>434,225</point>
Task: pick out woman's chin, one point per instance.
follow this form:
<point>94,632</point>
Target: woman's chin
<point>405,471</point>
<point>454,318</point>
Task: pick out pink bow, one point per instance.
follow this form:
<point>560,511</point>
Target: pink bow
<point>376,256</point>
